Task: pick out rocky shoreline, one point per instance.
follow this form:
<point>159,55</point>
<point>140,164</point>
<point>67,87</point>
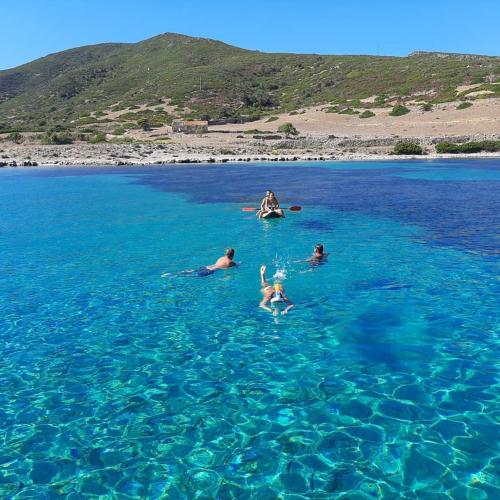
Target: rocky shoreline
<point>304,149</point>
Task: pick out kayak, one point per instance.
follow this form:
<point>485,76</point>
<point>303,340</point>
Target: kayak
<point>273,214</point>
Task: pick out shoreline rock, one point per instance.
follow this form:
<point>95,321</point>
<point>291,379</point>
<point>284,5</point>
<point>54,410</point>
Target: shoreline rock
<point>307,149</point>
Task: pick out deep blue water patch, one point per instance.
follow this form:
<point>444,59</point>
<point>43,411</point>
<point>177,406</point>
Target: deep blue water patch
<point>456,212</point>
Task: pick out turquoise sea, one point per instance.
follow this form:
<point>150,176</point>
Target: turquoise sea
<point>119,382</point>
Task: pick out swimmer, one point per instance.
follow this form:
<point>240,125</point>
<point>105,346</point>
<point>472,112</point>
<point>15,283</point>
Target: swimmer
<point>319,255</point>
<point>273,295</point>
<point>224,262</point>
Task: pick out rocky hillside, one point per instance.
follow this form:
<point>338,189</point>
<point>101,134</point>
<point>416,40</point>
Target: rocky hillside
<point>178,76</point>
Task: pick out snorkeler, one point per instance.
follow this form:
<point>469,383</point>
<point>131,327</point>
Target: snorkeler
<point>273,295</point>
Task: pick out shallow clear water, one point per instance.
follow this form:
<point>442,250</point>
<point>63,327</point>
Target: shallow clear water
<point>383,382</point>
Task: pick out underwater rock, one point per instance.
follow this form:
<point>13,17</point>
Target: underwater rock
<point>43,472</point>
<point>294,482</point>
<point>419,468</point>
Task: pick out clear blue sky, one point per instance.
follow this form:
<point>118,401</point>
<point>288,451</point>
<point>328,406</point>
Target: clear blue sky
<point>34,28</point>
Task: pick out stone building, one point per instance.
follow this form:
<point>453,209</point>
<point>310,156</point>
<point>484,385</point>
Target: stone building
<point>190,127</point>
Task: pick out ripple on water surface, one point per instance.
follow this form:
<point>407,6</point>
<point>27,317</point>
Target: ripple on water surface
<point>382,382</point>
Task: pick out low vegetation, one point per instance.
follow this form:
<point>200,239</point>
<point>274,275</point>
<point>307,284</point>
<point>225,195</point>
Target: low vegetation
<point>468,147</point>
<point>97,138</point>
<point>464,105</point>
<point>408,148</point>
<point>288,129</point>
<point>15,137</point>
<point>57,138</point>
<point>399,110</point>
<point>254,131</point>
<point>367,114</point>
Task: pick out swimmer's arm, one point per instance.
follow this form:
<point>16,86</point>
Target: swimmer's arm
<point>288,307</point>
<point>263,281</point>
<point>301,260</point>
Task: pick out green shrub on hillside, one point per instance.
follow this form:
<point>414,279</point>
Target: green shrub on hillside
<point>408,148</point>
<point>399,110</point>
<point>464,105</point>
<point>57,138</point>
<point>87,120</point>
<point>380,100</point>
<point>468,147</point>
<point>426,106</point>
<point>144,123</point>
<point>447,147</point>
<point>97,138</point>
<point>272,119</point>
<point>15,137</point>
<point>288,129</point>
<point>367,114</point>
<point>256,131</point>
<point>332,109</point>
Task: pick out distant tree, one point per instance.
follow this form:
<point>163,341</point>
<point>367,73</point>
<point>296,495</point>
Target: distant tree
<point>288,129</point>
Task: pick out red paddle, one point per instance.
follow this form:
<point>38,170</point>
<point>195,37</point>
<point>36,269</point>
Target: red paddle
<point>294,208</point>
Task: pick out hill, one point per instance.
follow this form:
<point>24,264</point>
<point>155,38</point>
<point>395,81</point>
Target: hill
<point>174,75</point>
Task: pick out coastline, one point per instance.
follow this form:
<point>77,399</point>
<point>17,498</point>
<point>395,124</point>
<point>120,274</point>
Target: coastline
<point>113,155</point>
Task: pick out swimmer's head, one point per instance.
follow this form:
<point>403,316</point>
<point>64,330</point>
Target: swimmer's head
<point>230,253</point>
<point>278,287</point>
<point>318,248</point>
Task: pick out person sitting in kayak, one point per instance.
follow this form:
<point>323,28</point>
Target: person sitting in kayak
<point>273,295</point>
<point>224,262</point>
<point>270,204</point>
<point>319,255</point>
